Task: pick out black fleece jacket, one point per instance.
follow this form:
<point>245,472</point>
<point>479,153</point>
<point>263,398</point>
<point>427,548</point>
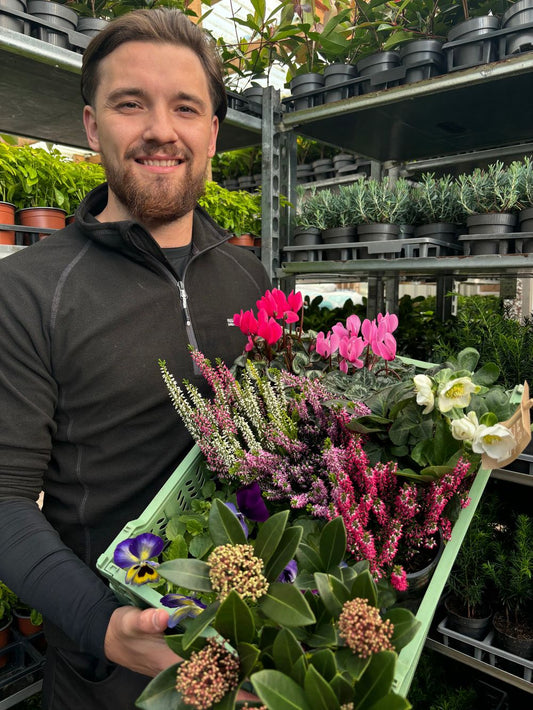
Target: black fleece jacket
<point>85,315</point>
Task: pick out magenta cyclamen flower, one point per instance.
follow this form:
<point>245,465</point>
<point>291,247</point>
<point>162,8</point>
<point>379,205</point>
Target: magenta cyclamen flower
<point>280,306</point>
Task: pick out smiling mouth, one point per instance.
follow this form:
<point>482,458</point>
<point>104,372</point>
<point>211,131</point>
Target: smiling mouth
<point>167,163</point>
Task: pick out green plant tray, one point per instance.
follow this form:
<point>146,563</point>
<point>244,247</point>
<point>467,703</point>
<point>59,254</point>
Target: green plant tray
<point>410,655</point>
<point>175,496</point>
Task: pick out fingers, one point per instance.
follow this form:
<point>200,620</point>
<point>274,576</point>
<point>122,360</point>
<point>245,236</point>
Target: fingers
<point>153,621</point>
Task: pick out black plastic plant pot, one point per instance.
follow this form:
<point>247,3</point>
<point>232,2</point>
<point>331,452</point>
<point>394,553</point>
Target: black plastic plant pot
<point>10,22</point>
<point>307,236</point>
<point>474,47</point>
<point>336,77</point>
<point>378,232</point>
<point>491,223</point>
<point>520,13</point>
<point>91,26</point>
<point>444,231</point>
<point>254,100</point>
<point>377,63</point>
<point>56,15</point>
<point>303,84</point>
<point>423,59</point>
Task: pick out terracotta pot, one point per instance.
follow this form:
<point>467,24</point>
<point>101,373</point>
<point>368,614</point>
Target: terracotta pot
<point>7,216</point>
<point>24,622</point>
<point>243,240</point>
<point>46,217</point>
<point>5,636</point>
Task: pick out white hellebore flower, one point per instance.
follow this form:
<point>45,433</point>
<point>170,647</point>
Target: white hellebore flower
<point>424,393</point>
<point>465,428</point>
<point>456,393</point>
<point>496,441</point>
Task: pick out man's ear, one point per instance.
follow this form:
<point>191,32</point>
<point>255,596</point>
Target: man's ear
<point>91,129</point>
<point>214,133</point>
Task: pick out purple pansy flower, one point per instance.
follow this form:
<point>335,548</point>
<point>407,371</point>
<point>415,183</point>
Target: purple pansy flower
<point>251,503</point>
<point>135,555</point>
<point>183,606</point>
<point>289,573</point>
<point>239,516</point>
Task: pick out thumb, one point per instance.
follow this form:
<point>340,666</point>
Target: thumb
<point>153,621</point>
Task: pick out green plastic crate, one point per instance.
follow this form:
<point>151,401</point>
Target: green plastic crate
<point>175,496</point>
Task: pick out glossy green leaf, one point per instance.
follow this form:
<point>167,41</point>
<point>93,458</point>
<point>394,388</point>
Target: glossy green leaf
<point>248,655</point>
<point>405,627</point>
<point>227,702</point>
<point>234,620</point>
<point>332,591</point>
<point>286,650</point>
<point>324,662</point>
<point>308,558</point>
<point>160,693</point>
<point>364,587</point>
<point>323,636</point>
<point>191,574</point>
<point>279,692</point>
<point>391,701</point>
<point>333,543</point>
<point>286,605</point>
<point>198,625</point>
<point>299,670</point>
<point>351,664</point>
<point>342,688</point>
<point>224,526</point>
<point>284,553</point>
<point>269,535</point>
<point>376,681</point>
<point>318,691</point>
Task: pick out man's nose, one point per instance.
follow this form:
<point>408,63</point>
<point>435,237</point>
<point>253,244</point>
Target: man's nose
<point>160,126</point>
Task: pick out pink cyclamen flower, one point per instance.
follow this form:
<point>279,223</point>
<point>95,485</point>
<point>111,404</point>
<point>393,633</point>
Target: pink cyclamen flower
<point>268,328</point>
<point>349,350</point>
<point>246,322</point>
<point>279,306</point>
<point>327,345</point>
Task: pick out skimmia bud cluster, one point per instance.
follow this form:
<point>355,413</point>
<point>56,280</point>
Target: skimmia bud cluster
<point>235,567</point>
<point>363,629</point>
<point>207,676</point>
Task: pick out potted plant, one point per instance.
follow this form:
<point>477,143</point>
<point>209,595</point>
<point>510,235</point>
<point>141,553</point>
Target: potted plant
<point>60,18</point>
<point>379,207</point>
<point>525,214</point>
<point>237,211</point>
<point>437,210</point>
<point>490,198</point>
<point>42,192</point>
<point>8,183</point>
<point>511,573</point>
<point>8,599</point>
<point>468,604</point>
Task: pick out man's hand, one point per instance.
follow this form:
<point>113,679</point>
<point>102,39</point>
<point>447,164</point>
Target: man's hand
<point>135,639</point>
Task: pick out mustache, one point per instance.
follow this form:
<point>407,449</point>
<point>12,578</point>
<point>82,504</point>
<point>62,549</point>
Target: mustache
<point>146,150</point>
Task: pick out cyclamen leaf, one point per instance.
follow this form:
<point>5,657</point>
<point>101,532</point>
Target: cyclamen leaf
<point>318,691</point>
<point>279,692</point>
<point>286,605</point>
<point>269,535</point>
<point>234,620</point>
<point>188,573</point>
<point>224,526</point>
<point>160,693</point>
<point>333,543</point>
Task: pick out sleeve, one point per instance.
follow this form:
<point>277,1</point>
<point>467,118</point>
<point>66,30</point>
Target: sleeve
<point>48,576</point>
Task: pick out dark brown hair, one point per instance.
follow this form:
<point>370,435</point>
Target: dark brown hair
<point>159,25</point>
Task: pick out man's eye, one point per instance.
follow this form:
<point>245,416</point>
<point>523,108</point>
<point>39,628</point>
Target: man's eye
<point>186,109</point>
<point>128,105</point>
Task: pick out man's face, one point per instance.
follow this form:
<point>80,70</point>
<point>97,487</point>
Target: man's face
<point>153,124</point>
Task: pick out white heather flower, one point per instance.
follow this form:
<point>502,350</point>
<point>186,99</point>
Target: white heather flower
<point>496,441</point>
<point>465,428</point>
<point>456,393</point>
<point>424,393</point>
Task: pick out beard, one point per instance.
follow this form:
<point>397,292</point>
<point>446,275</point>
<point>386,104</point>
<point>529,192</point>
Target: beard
<point>161,201</point>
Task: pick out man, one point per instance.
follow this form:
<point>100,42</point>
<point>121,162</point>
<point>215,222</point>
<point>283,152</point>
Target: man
<point>86,315</point>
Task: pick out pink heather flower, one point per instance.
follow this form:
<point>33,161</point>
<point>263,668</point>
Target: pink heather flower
<point>363,629</point>
<point>399,578</point>
<point>207,676</point>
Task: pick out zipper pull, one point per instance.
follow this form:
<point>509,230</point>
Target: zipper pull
<point>183,295</point>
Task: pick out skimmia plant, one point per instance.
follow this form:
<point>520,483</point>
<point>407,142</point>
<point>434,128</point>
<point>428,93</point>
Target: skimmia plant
<point>318,641</point>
